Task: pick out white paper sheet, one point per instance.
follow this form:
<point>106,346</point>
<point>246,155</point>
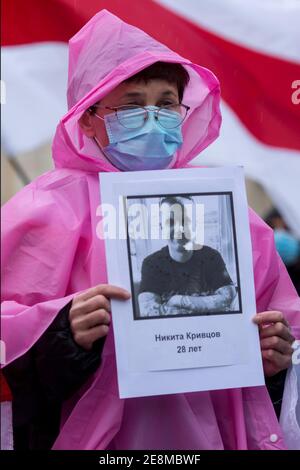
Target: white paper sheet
<point>182,348</point>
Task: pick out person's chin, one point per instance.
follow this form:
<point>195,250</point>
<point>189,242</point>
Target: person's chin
<point>180,245</point>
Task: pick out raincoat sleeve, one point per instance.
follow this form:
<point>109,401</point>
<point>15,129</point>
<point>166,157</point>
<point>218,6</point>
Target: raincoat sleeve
<point>41,232</point>
<point>275,291</point>
<point>48,374</point>
<point>63,366</point>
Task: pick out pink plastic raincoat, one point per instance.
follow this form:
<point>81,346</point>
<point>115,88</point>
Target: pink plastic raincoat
<point>51,252</point>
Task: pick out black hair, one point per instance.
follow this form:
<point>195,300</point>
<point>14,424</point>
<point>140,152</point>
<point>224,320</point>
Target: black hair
<point>272,214</point>
<point>171,72</point>
<point>173,199</point>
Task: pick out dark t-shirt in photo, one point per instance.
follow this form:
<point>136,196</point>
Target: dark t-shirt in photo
<point>203,274</point>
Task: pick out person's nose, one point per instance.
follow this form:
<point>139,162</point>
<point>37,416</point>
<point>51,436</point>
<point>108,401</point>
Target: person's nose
<point>179,229</point>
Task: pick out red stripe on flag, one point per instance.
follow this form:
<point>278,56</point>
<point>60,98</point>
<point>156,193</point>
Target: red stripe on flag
<point>5,393</point>
<point>256,86</point>
<point>24,22</point>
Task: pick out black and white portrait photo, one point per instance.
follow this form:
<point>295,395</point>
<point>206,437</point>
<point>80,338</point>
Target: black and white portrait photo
<point>182,255</point>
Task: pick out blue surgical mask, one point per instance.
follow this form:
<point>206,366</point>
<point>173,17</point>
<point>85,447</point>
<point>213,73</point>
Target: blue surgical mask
<point>287,246</point>
<point>150,147</point>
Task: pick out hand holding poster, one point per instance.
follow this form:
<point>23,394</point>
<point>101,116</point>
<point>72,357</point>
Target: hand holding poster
<point>181,245</point>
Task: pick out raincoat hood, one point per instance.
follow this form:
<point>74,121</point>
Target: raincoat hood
<point>104,53</point>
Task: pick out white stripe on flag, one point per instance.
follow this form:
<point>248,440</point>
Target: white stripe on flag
<point>35,78</point>
<point>277,170</point>
<point>269,26</point>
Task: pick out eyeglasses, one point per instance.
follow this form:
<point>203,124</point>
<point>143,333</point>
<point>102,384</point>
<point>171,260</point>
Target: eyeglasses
<point>133,117</point>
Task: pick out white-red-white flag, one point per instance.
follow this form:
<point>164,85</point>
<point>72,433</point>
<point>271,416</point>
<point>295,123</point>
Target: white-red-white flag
<point>253,48</point>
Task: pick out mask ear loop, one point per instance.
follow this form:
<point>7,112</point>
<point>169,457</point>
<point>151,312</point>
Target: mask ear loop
<point>99,145</point>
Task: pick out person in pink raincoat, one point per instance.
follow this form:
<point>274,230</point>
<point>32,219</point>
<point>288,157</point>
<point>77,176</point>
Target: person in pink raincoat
<point>55,311</point>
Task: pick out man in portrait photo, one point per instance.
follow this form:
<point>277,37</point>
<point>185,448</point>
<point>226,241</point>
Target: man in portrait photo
<point>183,278</point>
